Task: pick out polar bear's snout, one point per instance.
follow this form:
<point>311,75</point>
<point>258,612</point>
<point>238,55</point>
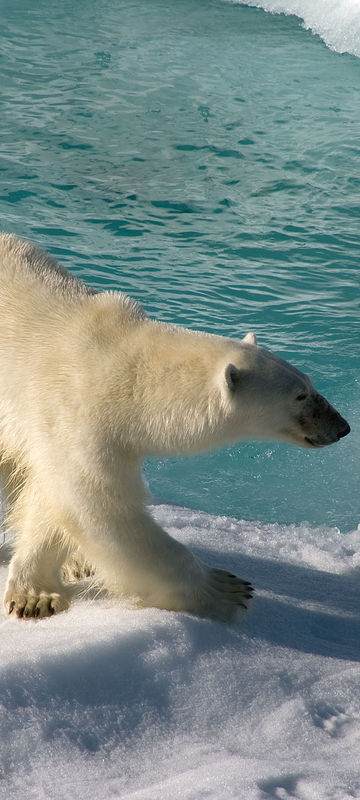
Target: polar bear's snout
<point>322,424</point>
<point>344,430</point>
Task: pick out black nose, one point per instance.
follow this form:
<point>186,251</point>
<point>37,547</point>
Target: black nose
<point>344,431</point>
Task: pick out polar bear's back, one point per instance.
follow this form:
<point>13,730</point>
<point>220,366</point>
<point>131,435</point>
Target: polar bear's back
<point>22,263</point>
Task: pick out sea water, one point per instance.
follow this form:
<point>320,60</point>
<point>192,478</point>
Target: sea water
<point>203,156</point>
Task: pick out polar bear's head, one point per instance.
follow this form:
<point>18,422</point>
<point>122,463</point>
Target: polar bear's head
<point>267,397</point>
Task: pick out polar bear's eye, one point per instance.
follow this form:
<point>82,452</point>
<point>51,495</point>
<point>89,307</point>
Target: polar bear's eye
<point>301,396</point>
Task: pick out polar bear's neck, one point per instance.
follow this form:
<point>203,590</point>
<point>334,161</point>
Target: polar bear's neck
<point>166,382</point>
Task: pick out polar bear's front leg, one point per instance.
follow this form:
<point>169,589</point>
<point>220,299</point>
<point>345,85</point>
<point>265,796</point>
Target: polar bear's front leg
<point>142,560</point>
<point>27,601</point>
<point>34,587</point>
<point>76,567</point>
<point>209,592</point>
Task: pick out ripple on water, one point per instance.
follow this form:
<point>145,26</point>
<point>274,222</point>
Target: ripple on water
<point>204,159</point>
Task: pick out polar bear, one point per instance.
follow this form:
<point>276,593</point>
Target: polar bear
<point>90,386</point>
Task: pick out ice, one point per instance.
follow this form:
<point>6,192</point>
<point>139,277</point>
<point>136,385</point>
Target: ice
<point>336,21</point>
<point>112,702</point>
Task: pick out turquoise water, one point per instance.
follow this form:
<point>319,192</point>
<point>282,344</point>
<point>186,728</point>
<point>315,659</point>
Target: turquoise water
<point>203,157</point>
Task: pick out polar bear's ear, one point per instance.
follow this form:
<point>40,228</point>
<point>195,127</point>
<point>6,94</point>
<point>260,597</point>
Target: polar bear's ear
<point>250,338</point>
<point>232,377</point>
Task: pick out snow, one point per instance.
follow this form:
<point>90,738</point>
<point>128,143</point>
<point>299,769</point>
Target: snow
<point>112,702</point>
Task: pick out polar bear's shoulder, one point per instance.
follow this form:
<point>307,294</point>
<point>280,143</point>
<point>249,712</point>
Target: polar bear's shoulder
<point>123,307</point>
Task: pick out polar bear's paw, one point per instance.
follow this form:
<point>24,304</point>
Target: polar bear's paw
<point>224,596</point>
<point>76,569</point>
<point>32,604</point>
<point>206,592</point>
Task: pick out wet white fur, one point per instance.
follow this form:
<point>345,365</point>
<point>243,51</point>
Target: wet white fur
<point>89,387</point>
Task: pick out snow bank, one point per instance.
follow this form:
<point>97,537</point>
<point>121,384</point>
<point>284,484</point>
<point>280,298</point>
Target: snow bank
<point>148,705</point>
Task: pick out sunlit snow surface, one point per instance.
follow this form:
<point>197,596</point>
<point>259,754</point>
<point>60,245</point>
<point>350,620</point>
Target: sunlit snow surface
<point>110,702</point>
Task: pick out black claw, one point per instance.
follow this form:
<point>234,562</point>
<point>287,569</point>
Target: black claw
<point>51,609</point>
<point>243,606</point>
<point>20,612</point>
<point>37,612</point>
<point>248,596</point>
<point>11,606</point>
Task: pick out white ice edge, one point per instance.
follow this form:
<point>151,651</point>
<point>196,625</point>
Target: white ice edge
<point>337,22</point>
<point>146,705</point>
